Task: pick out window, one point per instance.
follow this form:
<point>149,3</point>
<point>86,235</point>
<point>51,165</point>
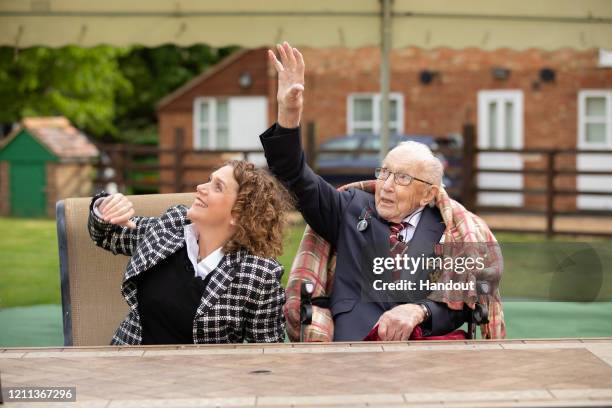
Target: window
<point>500,126</point>
<point>211,123</point>
<point>364,114</point>
<point>500,119</point>
<point>605,58</point>
<point>595,119</point>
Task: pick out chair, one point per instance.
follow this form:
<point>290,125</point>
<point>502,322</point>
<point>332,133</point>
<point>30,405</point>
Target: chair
<point>92,304</point>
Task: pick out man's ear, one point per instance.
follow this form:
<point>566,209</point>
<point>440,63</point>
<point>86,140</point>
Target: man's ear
<point>430,194</point>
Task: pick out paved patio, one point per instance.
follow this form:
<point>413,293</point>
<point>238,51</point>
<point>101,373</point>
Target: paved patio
<point>517,373</point>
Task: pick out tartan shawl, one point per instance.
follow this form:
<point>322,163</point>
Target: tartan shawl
<point>315,261</point>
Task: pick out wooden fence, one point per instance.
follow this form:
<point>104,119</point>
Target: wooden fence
<point>555,166</point>
<point>137,168</point>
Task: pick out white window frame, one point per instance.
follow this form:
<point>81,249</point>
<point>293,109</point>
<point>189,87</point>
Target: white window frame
<point>376,120</point>
<point>487,96</point>
<point>605,58</point>
<point>583,120</point>
<point>212,121</point>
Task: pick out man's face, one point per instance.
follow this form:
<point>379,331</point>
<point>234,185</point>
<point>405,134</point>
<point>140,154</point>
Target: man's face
<point>393,201</point>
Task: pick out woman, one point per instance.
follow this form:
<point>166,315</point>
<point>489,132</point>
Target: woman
<point>203,274</point>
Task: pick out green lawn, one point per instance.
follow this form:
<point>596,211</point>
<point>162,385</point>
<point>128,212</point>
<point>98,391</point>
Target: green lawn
<point>29,262</point>
<point>29,265</point>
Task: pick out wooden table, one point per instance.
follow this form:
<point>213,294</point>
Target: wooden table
<point>542,373</point>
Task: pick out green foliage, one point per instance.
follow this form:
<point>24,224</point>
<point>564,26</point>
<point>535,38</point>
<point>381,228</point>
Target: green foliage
<point>156,72</point>
<point>79,83</point>
<point>108,92</point>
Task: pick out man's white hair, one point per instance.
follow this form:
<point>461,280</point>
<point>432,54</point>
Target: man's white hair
<point>431,167</point>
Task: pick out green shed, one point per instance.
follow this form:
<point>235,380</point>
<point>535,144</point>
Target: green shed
<point>44,160</point>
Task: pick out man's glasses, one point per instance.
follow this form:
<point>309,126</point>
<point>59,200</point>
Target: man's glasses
<point>403,179</point>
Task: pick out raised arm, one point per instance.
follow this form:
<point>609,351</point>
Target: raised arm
<point>320,203</point>
<point>112,225</point>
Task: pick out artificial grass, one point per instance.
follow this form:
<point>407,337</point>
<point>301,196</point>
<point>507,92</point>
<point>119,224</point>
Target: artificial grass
<point>42,325</point>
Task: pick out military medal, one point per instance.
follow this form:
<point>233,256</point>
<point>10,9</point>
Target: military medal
<point>363,223</point>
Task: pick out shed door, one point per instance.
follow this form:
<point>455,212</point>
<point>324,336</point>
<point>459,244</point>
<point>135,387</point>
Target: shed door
<point>27,184</point>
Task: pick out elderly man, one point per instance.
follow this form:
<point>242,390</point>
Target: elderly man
<point>407,181</point>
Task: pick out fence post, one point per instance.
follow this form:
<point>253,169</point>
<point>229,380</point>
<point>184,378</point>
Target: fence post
<point>550,193</point>
<point>469,155</point>
<point>178,159</point>
<point>311,144</point>
<point>118,162</point>
<point>128,179</point>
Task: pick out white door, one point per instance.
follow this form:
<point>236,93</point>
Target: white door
<point>248,118</point>
<point>500,126</point>
<point>594,133</point>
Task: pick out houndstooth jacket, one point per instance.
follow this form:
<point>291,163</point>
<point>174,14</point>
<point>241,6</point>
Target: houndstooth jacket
<point>242,301</point>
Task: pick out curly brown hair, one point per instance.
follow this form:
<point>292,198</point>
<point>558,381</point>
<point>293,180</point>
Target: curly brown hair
<point>260,211</point>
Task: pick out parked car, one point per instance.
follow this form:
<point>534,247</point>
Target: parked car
<point>341,168</point>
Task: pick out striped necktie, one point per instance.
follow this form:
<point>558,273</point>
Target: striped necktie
<point>396,245</point>
<point>394,232</point>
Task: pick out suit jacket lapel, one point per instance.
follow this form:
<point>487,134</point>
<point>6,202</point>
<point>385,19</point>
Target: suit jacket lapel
<point>219,281</point>
<point>379,239</point>
<point>428,233</point>
<point>169,242</point>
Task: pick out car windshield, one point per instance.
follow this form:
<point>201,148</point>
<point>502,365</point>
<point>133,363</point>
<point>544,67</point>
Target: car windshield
<point>341,144</point>
<point>394,140</point>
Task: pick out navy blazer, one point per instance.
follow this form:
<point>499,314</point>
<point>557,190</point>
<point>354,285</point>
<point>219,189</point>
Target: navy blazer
<point>334,216</point>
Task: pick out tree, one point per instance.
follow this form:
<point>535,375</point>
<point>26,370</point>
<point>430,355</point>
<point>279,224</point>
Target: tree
<point>108,92</point>
<point>79,83</point>
<point>153,74</point>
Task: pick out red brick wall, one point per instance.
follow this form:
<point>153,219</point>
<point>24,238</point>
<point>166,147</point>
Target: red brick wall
<point>440,108</point>
<point>443,106</point>
<point>225,82</point>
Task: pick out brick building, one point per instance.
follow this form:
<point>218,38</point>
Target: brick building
<point>516,99</point>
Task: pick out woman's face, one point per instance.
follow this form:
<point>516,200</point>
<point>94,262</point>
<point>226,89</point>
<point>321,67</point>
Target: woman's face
<point>215,199</point>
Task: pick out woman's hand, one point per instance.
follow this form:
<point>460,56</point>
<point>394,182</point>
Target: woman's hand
<point>290,71</point>
<point>118,210</point>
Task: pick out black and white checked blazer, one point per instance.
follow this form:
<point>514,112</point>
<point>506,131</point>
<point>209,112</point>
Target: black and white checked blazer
<point>242,301</point>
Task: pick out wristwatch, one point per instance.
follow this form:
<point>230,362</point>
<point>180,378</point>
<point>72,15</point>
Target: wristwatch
<point>426,311</point>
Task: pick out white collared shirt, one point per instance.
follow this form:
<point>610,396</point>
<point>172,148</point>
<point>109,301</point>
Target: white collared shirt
<point>206,265</point>
<point>413,220</point>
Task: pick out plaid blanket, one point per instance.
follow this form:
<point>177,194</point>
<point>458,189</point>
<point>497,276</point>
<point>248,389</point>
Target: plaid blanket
<point>316,262</point>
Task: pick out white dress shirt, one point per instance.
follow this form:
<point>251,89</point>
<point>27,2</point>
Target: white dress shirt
<point>413,220</point>
<point>206,265</point>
